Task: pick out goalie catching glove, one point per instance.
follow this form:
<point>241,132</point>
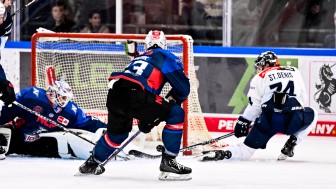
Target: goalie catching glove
<point>242,127</point>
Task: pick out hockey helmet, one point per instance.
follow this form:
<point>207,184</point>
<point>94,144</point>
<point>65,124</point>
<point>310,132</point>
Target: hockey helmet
<point>266,58</point>
<point>59,93</point>
<point>155,37</point>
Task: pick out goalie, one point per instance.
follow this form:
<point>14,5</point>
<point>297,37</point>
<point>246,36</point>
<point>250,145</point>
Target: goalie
<point>32,135</point>
<point>277,98</point>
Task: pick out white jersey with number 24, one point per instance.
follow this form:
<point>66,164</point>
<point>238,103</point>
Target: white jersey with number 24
<point>279,78</point>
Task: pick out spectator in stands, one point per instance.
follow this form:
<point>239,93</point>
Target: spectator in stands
<point>329,40</point>
<point>95,25</point>
<point>60,22</point>
<point>314,21</point>
<point>193,13</point>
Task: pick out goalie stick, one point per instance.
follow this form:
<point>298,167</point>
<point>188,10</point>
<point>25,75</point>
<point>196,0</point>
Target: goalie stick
<point>160,148</point>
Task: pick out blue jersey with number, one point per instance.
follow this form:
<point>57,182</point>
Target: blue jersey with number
<point>153,69</point>
<point>35,99</point>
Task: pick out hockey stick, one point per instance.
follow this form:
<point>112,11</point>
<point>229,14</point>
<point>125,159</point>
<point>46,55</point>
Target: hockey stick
<point>22,8</point>
<point>160,148</point>
<point>205,142</point>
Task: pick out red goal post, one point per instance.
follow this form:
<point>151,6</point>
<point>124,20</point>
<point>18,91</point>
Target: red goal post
<point>86,60</point>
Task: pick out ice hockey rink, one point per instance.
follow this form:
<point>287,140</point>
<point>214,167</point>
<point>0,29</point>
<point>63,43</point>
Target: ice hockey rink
<point>312,167</point>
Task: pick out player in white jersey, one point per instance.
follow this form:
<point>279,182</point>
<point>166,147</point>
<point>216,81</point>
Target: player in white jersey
<point>277,98</point>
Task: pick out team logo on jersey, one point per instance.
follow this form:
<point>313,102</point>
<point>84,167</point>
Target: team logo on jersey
<point>31,138</point>
<point>35,92</point>
<point>51,115</point>
<point>148,52</point>
<point>326,88</point>
<point>37,109</point>
<point>62,120</point>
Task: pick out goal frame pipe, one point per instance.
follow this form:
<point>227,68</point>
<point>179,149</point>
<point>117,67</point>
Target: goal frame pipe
<point>125,37</point>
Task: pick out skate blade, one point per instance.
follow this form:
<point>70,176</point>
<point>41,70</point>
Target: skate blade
<point>79,174</point>
<point>282,157</point>
<point>165,176</point>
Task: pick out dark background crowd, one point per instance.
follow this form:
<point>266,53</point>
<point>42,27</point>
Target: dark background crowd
<point>281,23</point>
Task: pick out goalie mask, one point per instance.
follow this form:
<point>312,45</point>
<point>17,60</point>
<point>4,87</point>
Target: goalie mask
<point>155,37</point>
<point>59,94</point>
<point>265,60</point>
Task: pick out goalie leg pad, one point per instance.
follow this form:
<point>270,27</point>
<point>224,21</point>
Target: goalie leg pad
<point>70,146</point>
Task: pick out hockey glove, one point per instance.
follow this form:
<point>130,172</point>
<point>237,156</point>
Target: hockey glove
<point>242,127</point>
<point>172,99</point>
<point>7,90</point>
<point>147,127</point>
<point>131,48</point>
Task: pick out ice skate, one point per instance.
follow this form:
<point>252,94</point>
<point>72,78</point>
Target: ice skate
<point>173,171</point>
<point>91,167</point>
<point>288,149</point>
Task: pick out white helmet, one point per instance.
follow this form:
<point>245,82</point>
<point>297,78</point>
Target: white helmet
<point>155,37</point>
<point>2,8</point>
<point>59,94</point>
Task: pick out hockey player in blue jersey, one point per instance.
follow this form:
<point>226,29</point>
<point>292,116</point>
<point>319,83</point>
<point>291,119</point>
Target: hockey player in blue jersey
<point>277,104</point>
<point>134,93</point>
<point>33,135</point>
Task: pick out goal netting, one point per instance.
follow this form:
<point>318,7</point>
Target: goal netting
<point>85,61</point>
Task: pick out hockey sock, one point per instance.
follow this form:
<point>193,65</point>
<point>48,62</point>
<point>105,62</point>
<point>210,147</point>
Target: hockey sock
<point>172,140</point>
<point>107,144</point>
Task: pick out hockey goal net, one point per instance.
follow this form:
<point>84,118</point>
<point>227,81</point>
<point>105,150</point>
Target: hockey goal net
<point>85,61</point>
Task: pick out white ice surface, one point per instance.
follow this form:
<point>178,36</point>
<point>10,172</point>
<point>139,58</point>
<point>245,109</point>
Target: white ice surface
<point>312,167</point>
